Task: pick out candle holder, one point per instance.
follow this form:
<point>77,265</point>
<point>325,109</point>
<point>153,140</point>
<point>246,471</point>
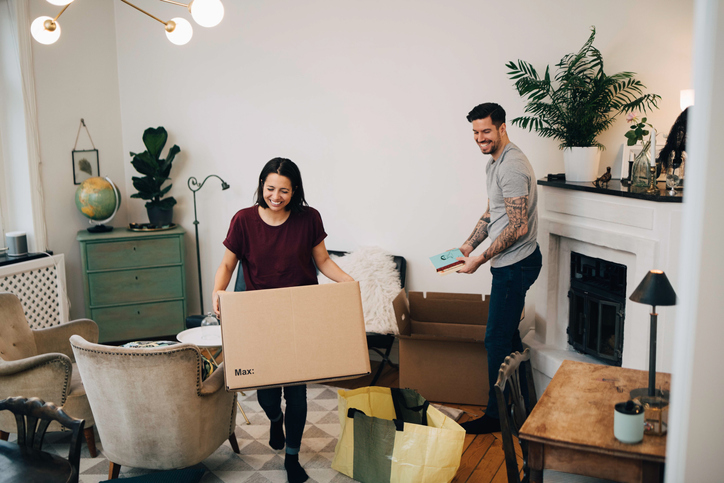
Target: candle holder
<point>653,187</point>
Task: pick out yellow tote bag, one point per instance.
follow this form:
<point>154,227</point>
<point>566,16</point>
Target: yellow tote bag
<point>394,435</point>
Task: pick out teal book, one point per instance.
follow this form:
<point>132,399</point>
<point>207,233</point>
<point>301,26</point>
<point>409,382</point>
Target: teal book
<point>447,261</point>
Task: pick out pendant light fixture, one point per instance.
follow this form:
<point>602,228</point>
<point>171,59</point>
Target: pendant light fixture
<point>207,13</point>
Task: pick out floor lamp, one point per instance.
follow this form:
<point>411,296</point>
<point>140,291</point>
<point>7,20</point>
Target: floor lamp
<point>194,186</point>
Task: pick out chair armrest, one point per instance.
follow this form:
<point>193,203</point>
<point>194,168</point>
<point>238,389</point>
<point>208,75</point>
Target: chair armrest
<point>9,368</point>
<point>56,338</point>
<point>214,382</point>
<point>46,376</point>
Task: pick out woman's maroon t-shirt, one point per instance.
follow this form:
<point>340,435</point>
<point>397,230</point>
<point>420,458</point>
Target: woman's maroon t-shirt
<point>276,256</point>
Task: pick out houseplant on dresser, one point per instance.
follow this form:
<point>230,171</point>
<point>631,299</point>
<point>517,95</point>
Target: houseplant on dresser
<point>156,172</point>
<point>577,105</point>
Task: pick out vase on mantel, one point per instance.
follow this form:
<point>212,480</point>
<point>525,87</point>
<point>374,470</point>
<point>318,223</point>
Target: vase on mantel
<point>640,171</point>
<point>581,164</point>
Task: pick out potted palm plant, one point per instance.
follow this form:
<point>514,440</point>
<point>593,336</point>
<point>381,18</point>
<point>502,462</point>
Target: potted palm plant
<point>577,105</point>
<point>156,172</point>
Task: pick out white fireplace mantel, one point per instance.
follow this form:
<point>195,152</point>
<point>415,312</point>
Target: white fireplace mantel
<point>639,233</point>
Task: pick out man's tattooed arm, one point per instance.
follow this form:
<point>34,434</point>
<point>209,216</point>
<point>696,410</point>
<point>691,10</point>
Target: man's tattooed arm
<point>517,211</point>
<point>480,232</point>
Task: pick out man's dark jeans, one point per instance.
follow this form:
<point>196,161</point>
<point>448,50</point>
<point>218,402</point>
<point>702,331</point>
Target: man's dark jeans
<point>507,300</point>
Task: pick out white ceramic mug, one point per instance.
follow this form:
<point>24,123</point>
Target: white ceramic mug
<point>628,422</point>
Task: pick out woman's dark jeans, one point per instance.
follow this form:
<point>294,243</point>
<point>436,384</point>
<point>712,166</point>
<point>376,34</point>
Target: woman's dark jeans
<point>507,300</point>
<point>296,415</point>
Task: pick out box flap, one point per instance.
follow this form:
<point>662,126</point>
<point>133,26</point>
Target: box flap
<point>448,308</point>
<point>402,312</point>
<point>282,336</point>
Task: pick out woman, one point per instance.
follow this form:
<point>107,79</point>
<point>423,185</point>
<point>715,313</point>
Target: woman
<point>279,240</point>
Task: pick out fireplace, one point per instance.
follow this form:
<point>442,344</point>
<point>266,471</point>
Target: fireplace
<point>638,234</point>
<point>597,302</point>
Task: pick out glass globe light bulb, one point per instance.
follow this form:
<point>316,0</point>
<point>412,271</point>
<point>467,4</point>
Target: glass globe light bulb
<point>60,3</point>
<point>181,33</point>
<point>207,13</point>
<point>41,33</point>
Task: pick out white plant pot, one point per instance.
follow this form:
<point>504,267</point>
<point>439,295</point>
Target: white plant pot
<point>581,164</point>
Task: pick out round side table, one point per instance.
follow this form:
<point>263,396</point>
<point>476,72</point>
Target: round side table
<point>207,338</point>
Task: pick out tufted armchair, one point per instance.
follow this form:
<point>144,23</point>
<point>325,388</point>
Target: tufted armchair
<point>151,407</point>
<point>40,363</point>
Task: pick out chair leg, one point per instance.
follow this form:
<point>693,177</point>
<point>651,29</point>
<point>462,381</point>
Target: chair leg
<point>113,470</point>
<point>90,439</point>
<point>4,436</point>
<point>234,443</point>
<point>242,409</point>
<point>385,360</point>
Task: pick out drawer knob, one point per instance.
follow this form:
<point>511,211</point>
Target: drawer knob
<point>136,278</point>
<point>134,249</point>
<point>139,312</point>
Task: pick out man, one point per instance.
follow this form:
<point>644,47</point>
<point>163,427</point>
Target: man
<point>511,223</point>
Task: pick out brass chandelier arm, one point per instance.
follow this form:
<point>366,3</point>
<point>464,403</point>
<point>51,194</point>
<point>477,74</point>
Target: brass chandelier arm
<point>176,3</point>
<point>143,11</point>
<point>61,12</point>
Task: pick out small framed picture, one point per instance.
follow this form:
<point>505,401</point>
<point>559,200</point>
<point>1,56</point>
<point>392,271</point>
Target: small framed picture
<point>85,165</point>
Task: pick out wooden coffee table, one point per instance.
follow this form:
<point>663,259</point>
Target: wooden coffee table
<point>571,427</point>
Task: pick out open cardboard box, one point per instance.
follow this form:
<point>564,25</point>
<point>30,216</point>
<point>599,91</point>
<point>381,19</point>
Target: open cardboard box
<point>442,349</point>
<point>296,335</point>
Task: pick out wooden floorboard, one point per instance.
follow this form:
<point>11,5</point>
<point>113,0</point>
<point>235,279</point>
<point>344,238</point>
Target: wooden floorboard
<point>483,460</point>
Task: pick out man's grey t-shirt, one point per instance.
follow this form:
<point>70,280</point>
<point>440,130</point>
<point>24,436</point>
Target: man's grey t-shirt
<point>511,176</point>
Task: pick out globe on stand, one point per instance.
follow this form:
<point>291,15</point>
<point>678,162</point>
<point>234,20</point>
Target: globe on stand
<point>98,199</point>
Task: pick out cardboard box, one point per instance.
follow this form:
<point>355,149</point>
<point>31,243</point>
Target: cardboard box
<point>278,337</point>
<point>442,350</point>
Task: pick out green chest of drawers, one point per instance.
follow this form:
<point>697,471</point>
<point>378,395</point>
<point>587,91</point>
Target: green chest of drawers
<point>134,282</point>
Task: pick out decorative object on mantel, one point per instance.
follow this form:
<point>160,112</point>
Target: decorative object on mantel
<point>194,186</point>
<point>604,179</point>
<point>85,161</point>
<point>577,120</point>
<point>673,156</point>
<point>206,13</point>
<point>653,290</point>
<point>646,157</point>
<point>156,171</point>
<point>98,199</point>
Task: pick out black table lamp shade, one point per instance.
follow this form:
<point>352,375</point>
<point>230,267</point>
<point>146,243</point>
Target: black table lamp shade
<point>654,289</point>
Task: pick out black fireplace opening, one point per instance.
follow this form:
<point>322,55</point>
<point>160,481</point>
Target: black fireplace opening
<point>597,308</point>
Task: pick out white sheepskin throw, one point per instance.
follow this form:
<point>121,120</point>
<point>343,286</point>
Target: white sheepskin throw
<point>379,283</point>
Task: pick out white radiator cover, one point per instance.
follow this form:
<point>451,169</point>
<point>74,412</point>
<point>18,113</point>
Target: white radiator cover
<point>40,286</point>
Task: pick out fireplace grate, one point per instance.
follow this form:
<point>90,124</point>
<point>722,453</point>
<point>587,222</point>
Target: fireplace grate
<point>597,303</point>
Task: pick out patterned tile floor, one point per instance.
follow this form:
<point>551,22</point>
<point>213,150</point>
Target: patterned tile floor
<point>257,463</point>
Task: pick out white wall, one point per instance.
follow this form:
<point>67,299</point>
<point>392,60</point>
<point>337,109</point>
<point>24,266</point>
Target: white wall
<point>77,77</point>
<point>369,98</point>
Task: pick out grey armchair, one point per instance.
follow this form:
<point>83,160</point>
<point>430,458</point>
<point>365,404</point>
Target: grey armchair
<point>40,363</point>
<point>151,407</point>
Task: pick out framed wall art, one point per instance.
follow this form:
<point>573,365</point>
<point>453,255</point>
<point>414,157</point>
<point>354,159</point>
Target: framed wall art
<point>85,165</point>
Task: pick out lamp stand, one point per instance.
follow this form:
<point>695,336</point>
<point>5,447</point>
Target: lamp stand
<point>651,391</point>
<point>194,186</point>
